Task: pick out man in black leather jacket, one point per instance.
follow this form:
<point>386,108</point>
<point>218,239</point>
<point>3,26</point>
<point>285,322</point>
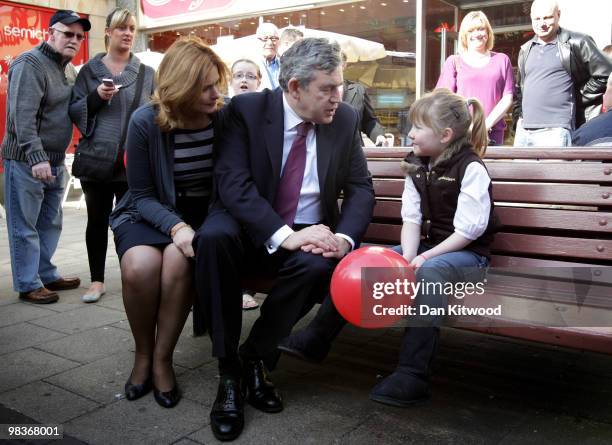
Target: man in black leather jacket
<point>561,80</point>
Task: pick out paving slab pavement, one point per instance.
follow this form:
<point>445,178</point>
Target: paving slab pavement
<point>66,363</point>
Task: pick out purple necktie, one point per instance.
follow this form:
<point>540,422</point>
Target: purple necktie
<point>288,193</point>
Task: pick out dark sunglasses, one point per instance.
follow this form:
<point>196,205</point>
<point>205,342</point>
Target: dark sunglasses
<point>70,34</point>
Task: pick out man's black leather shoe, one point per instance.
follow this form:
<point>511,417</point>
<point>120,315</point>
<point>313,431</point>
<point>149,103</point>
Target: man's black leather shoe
<point>261,393</point>
<point>305,345</point>
<point>227,414</point>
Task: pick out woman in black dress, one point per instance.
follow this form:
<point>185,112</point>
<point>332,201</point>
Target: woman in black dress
<point>169,171</point>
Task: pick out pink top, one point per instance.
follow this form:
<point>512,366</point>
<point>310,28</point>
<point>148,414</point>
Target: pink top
<point>488,84</point>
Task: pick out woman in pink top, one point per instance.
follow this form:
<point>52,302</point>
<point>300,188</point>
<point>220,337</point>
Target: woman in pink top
<point>479,72</point>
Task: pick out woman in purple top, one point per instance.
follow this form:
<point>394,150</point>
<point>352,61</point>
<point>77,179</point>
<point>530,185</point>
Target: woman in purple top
<point>479,72</point>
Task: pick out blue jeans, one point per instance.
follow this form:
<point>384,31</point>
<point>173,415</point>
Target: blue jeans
<point>34,223</point>
<point>453,267</point>
<point>544,137</point>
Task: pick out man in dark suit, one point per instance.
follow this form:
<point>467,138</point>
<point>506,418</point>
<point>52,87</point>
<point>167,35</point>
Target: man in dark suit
<point>356,95</point>
<point>284,157</point>
<point>597,131</point>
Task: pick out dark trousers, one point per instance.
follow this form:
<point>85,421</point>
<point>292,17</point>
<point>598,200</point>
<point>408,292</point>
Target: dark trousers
<point>99,199</point>
<point>224,254</point>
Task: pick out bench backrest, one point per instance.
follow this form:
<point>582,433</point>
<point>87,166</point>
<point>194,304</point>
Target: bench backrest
<point>555,204</point>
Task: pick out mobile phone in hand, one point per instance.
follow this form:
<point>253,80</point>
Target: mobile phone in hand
<point>108,82</point>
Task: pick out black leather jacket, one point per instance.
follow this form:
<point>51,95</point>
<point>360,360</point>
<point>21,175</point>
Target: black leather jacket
<point>356,95</point>
<point>587,65</point>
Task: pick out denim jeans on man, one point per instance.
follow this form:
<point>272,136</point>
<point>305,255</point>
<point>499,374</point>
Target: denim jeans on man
<point>452,267</point>
<point>542,137</point>
<point>34,223</point>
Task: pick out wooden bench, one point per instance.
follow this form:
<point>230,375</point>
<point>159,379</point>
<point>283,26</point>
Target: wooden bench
<point>556,209</point>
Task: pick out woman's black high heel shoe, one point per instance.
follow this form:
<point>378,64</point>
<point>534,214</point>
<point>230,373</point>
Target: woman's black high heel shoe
<point>133,392</point>
<point>167,399</point>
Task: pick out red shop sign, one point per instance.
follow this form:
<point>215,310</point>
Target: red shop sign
<point>157,9</point>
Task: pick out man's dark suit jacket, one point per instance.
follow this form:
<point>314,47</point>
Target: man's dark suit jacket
<point>355,95</point>
<point>248,167</point>
<point>596,131</point>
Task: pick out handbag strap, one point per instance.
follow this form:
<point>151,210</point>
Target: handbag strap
<point>135,102</point>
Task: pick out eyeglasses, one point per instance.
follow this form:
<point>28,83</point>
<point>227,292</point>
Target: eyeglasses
<point>70,35</point>
<point>264,38</point>
<point>247,76</point>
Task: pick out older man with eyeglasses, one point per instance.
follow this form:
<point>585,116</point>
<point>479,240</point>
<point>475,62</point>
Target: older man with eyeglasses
<point>269,64</point>
<point>38,131</point>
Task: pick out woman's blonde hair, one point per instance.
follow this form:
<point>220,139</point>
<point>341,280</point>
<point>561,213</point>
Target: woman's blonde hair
<point>467,25</point>
<point>443,109</point>
<point>181,78</point>
<point>117,18</point>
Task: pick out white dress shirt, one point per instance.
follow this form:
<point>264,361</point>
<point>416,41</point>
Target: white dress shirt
<point>473,205</point>
<point>309,209</point>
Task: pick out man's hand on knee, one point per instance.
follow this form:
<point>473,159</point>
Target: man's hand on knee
<point>343,248</point>
<point>318,236</point>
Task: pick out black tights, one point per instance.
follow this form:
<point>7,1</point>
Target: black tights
<point>157,294</point>
<point>99,198</point>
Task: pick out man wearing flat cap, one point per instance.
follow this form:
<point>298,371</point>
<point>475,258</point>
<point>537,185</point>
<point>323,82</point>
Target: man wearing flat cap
<point>38,131</point>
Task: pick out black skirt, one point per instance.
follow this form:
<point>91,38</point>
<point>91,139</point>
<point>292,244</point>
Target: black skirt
<point>140,233</point>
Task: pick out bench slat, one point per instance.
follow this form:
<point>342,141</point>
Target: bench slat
<point>548,289</point>
<point>590,339</point>
<point>388,210</point>
<point>570,153</point>
<point>532,193</point>
<point>577,220</point>
<point>555,219</point>
<point>552,172</point>
<point>387,169</point>
<point>383,233</point>
<point>552,268</point>
<point>522,262</point>
<point>387,152</point>
<point>578,194</point>
<point>587,172</point>
<point>555,246</point>
<point>388,188</point>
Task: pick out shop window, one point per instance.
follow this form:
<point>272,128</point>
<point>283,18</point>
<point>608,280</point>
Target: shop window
<point>390,80</point>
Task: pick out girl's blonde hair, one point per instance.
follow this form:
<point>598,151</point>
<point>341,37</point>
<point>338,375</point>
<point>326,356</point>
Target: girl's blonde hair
<point>116,19</point>
<point>181,78</point>
<point>249,61</point>
<point>442,109</point>
<point>467,25</point>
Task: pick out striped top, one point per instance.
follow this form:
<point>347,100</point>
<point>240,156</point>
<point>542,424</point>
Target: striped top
<point>193,163</point>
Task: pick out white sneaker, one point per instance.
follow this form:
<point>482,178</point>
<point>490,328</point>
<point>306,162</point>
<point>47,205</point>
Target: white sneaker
<point>248,302</point>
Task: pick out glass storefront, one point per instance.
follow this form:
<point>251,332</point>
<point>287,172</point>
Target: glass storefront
<point>390,80</point>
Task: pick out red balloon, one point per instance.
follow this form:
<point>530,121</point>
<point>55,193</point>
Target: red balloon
<point>371,287</point>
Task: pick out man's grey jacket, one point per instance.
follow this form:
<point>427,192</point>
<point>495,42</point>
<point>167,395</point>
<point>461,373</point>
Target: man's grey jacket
<point>38,127</point>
